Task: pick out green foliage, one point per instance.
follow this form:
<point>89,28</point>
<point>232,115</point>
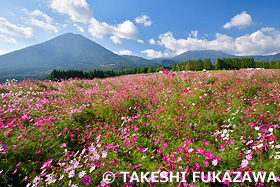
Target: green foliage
<point>207,64</point>
<point>58,75</point>
<point>218,64</point>
<point>150,69</point>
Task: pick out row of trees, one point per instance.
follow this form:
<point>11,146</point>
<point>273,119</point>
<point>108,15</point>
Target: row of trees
<point>238,63</point>
<point>224,63</point>
<point>61,74</point>
<point>197,65</point>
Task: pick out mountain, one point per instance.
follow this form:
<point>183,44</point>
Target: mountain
<point>275,57</point>
<point>139,60</point>
<point>193,55</point>
<point>68,51</point>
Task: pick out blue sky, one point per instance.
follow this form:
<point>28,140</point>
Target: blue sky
<point>147,28</point>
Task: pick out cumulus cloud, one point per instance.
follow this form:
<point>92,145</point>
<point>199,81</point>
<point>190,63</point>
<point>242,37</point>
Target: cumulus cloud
<point>145,20</point>
<point>81,29</point>
<point>78,10</point>
<point>140,41</point>
<point>194,33</point>
<point>240,21</point>
<point>222,42</point>
<point>125,52</point>
<point>155,54</point>
<point>152,41</point>
<point>42,20</point>
<point>262,42</point>
<point>15,30</point>
<point>125,30</point>
<point>115,39</point>
<point>6,39</point>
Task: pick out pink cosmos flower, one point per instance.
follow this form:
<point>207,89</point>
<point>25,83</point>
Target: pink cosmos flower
<point>98,164</point>
<point>164,144</point>
<point>18,164</point>
<point>63,145</point>
<point>15,171</point>
<point>215,162</point>
<point>244,163</point>
<point>206,164</point>
<point>249,157</point>
<point>126,143</point>
<point>222,147</point>
<point>188,142</point>
<point>86,180</point>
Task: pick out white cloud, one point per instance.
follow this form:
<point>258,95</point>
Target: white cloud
<point>78,10</point>
<point>194,33</point>
<point>140,41</point>
<point>115,52</point>
<point>145,20</point>
<point>38,13</point>
<point>262,42</point>
<point>240,20</point>
<point>125,52</point>
<point>155,54</point>
<point>2,52</point>
<point>6,39</point>
<point>125,30</point>
<point>115,39</point>
<point>81,29</point>
<point>222,42</point>
<point>15,30</point>
<point>42,20</point>
<point>152,41</point>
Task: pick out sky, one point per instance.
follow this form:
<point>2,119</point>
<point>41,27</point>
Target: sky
<point>146,28</point>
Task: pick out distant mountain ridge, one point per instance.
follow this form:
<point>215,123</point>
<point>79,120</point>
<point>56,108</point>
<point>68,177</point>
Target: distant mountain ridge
<point>68,51</point>
<point>209,54</point>
<point>74,51</point>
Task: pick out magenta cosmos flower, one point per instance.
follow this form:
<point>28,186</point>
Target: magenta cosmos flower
<point>86,180</point>
<point>164,144</point>
<point>126,143</point>
<point>98,163</point>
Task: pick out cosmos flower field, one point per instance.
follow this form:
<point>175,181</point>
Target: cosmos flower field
<point>69,133</point>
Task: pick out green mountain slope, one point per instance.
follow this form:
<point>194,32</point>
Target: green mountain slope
<point>68,51</point>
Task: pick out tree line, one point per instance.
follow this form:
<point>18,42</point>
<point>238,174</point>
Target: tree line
<point>62,74</point>
<point>225,63</point>
<point>197,65</point>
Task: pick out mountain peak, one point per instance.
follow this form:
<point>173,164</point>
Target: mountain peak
<point>67,51</point>
<point>70,35</point>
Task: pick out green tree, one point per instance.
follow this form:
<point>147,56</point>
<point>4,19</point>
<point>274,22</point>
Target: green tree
<point>207,64</point>
<point>157,70</point>
<point>150,69</point>
<point>277,65</point>
<point>218,64</point>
